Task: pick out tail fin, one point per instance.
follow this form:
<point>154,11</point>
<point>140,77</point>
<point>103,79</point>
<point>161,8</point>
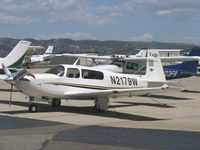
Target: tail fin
<point>142,53</point>
<point>187,66</point>
<point>49,50</point>
<point>154,69</point>
<point>15,57</point>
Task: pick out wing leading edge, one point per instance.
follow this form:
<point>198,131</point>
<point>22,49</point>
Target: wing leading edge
<point>114,92</point>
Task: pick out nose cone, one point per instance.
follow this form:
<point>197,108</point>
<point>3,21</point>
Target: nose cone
<point>25,86</point>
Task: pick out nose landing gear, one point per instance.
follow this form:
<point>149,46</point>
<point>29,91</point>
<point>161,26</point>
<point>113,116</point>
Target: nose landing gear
<point>33,106</point>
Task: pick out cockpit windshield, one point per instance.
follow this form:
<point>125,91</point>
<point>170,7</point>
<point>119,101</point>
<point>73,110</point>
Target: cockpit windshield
<point>118,63</point>
<point>57,70</point>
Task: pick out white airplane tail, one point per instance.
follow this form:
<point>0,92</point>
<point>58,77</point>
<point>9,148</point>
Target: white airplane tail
<point>142,53</point>
<point>154,69</point>
<point>16,56</point>
<point>49,50</point>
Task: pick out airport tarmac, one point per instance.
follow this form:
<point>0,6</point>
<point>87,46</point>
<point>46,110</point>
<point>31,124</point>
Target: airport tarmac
<point>161,122</point>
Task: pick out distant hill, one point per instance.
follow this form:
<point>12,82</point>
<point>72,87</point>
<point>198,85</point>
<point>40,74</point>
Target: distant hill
<point>82,46</point>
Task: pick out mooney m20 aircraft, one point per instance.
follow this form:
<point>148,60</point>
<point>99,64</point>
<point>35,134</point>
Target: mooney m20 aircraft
<point>40,59</point>
<point>15,58</point>
<point>86,83</point>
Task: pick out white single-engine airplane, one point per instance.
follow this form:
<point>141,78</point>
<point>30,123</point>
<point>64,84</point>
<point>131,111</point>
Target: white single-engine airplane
<point>128,63</point>
<point>15,57</point>
<point>86,83</point>
<point>40,59</point>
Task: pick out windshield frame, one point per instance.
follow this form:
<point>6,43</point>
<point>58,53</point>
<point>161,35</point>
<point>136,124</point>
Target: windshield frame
<point>57,70</point>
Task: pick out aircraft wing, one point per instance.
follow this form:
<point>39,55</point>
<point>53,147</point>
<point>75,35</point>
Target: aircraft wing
<point>172,59</point>
<point>31,50</point>
<point>133,57</point>
<point>87,56</point>
<point>114,92</point>
<point>54,55</point>
<point>181,58</point>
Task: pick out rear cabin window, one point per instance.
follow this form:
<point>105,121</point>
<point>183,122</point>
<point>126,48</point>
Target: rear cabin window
<point>57,70</point>
<point>73,73</point>
<point>90,74</point>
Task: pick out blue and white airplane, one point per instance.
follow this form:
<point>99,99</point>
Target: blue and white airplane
<point>185,69</point>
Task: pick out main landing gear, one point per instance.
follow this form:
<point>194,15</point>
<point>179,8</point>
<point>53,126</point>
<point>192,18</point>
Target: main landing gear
<point>101,104</point>
<point>56,103</point>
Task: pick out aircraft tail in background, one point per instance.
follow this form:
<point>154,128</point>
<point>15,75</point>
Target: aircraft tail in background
<point>15,57</point>
<point>187,66</point>
<point>49,50</point>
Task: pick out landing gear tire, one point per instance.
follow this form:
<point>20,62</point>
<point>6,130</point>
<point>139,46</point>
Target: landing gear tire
<point>33,108</point>
<point>56,103</point>
<point>97,110</point>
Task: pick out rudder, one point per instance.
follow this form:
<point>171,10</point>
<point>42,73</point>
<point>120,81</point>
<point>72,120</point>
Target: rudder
<point>154,69</point>
<point>49,50</point>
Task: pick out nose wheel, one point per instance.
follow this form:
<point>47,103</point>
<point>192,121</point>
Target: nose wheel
<point>33,108</point>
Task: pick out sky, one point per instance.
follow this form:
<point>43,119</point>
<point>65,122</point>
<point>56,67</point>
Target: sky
<point>124,20</point>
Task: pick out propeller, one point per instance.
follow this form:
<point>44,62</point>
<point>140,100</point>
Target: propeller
<point>20,74</point>
<point>12,78</point>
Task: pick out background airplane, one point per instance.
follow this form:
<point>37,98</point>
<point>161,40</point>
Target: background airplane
<point>39,59</point>
<point>15,58</point>
<point>141,56</point>
<point>136,65</point>
<point>184,69</point>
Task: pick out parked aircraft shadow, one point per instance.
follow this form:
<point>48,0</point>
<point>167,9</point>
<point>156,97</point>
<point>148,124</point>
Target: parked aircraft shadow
<point>82,110</point>
<point>190,91</point>
<point>166,97</point>
<point>147,104</point>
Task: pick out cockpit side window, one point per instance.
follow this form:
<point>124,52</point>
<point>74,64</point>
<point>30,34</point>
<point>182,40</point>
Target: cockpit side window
<point>57,70</point>
<point>91,74</point>
<point>131,65</point>
<point>73,73</point>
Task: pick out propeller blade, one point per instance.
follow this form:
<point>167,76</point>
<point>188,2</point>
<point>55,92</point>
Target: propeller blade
<point>20,74</point>
<point>5,69</point>
<point>11,95</point>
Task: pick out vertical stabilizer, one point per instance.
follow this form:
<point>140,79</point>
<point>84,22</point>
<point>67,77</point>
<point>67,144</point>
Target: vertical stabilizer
<point>154,69</point>
<point>49,50</point>
<point>142,53</point>
<point>15,57</point>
